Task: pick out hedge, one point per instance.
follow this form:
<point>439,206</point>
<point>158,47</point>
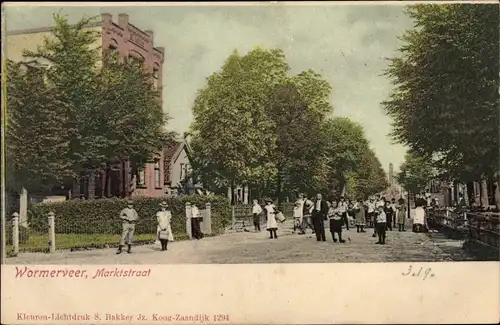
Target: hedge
<point>101,216</point>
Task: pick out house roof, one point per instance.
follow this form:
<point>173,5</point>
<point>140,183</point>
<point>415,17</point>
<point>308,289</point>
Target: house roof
<point>169,151</point>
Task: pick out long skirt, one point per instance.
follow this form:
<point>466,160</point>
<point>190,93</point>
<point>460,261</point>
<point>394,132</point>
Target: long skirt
<point>360,219</point>
<point>401,217</point>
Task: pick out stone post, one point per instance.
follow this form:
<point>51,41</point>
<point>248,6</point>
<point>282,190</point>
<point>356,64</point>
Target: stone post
<point>189,214</point>
<point>15,233</point>
<point>207,218</point>
<point>23,208</point>
<point>245,194</point>
<point>233,217</point>
<point>52,232</point>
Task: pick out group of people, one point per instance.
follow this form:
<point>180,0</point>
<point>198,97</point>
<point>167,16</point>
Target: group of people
<point>130,217</point>
<point>376,212</point>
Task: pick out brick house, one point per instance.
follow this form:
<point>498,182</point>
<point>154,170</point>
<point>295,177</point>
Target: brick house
<point>128,41</point>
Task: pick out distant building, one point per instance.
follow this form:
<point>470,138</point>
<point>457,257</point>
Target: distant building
<point>130,42</point>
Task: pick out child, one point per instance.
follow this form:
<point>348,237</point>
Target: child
<point>256,211</point>
<point>359,215</point>
<point>381,225</point>
<point>337,220</point>
<point>297,217</point>
<point>401,214</point>
<point>272,225</point>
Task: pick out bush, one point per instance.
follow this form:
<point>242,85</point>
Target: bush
<point>101,216</point>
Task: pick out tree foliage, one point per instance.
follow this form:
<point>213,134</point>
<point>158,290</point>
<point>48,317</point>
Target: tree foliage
<point>255,124</point>
<point>36,142</point>
<point>445,97</point>
<point>415,172</point>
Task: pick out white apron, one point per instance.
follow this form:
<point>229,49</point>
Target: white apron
<point>163,218</point>
<point>419,217</point>
<point>271,217</point>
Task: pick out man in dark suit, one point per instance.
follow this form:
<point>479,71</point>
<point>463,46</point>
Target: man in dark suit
<point>319,215</point>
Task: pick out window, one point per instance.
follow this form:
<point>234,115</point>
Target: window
<point>155,78</point>
<point>182,171</point>
<point>113,52</point>
<point>157,175</point>
<point>141,177</point>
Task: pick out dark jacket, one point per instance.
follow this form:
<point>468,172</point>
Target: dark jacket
<point>323,211</point>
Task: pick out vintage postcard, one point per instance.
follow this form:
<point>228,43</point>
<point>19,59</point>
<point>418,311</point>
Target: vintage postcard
<point>250,163</point>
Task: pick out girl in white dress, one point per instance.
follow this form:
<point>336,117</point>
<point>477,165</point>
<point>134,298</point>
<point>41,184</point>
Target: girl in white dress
<point>272,225</point>
<point>164,230</point>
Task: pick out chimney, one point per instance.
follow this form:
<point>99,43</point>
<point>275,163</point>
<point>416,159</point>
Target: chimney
<point>391,175</point>
<point>150,34</point>
<point>162,51</point>
<point>123,20</point>
<point>105,17</point>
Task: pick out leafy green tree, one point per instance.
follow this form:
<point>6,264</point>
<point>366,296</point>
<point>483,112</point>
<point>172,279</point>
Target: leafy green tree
<point>72,56</point>
<point>36,142</point>
<point>415,172</point>
<point>346,144</point>
<point>370,176</point>
<point>130,116</point>
<point>231,135</point>
<point>298,153</point>
<point>236,133</point>
<point>445,97</point>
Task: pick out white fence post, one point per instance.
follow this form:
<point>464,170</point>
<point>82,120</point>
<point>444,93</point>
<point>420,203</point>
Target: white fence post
<point>233,217</point>
<point>207,218</point>
<point>15,233</point>
<point>189,215</point>
<point>52,232</point>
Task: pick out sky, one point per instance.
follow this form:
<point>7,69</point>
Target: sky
<point>346,43</point>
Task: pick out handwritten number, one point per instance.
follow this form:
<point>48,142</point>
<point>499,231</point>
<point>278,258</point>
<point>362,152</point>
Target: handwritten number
<point>427,273</point>
<point>409,271</point>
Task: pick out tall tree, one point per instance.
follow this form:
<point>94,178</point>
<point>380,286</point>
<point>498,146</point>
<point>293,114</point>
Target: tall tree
<point>235,132</point>
<point>415,172</point>
<point>445,97</point>
<point>72,55</point>
<point>298,151</point>
<point>36,142</point>
<point>230,132</point>
<point>346,144</point>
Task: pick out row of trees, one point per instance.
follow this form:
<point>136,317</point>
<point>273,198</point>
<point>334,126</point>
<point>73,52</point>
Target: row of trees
<point>445,98</point>
<point>257,125</point>
<point>80,114</point>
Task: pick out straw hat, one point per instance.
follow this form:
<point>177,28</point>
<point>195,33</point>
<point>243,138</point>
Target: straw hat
<point>163,204</point>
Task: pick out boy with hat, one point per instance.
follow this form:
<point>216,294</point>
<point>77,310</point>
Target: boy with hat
<point>129,217</point>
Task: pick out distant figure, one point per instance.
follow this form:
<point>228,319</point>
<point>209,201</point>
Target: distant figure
<point>297,217</point>
<point>394,209</point>
<point>401,214</point>
<point>163,217</point>
<point>381,225</point>
<point>337,220</point>
<point>359,215</point>
<point>256,212</point>
<point>319,215</point>
<point>195,222</point>
<point>307,208</point>
<point>272,225</point>
<point>129,217</point>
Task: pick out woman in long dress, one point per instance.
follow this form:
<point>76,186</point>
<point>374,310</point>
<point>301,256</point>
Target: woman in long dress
<point>272,225</point>
<point>164,230</point>
<point>359,216</point>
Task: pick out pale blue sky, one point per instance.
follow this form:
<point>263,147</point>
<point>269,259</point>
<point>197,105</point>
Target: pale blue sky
<point>346,43</point>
